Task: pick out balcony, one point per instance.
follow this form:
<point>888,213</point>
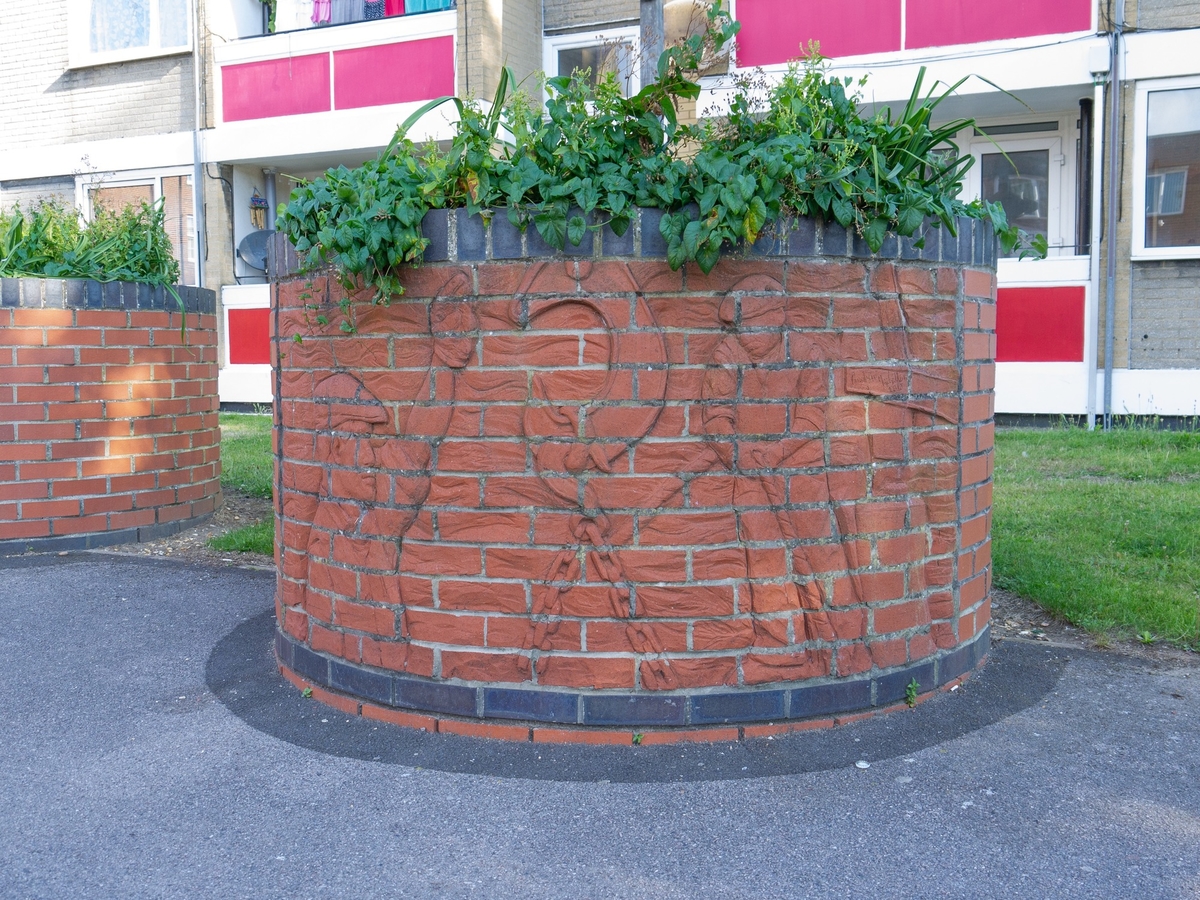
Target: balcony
<point>318,92</point>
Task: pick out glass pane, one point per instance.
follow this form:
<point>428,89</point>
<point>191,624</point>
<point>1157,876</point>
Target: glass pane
<point>1172,166</point>
<point>179,223</point>
<point>172,23</point>
<point>120,24</point>
<point>1020,182</point>
<point>117,197</point>
<point>599,60</point>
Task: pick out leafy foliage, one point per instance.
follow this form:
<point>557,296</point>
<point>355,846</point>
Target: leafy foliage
<point>49,241</point>
<point>804,149</point>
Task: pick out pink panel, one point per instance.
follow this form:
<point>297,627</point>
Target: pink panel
<point>393,73</point>
<point>1042,324</point>
<point>775,31</point>
<point>275,87</point>
<point>941,23</point>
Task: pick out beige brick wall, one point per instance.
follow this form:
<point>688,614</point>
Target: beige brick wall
<point>569,15</point>
<point>43,102</point>
<point>30,191</point>
<point>495,33</point>
<point>1165,315</point>
<point>1165,14</point>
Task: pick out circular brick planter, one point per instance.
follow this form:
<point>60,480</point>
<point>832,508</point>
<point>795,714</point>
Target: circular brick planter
<point>584,490</point>
<point>108,420</point>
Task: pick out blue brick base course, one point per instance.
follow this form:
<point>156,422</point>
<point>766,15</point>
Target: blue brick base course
<point>801,700</point>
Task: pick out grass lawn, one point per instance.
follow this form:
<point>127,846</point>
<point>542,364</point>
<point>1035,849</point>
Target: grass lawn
<point>247,467</point>
<point>1102,529</point>
<point>246,462</point>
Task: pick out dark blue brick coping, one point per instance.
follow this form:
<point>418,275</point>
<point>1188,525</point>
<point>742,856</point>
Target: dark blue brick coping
<point>96,539</point>
<point>455,236</point>
<point>83,293</point>
<point>648,709</point>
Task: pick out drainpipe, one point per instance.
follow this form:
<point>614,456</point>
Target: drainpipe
<point>1096,214</point>
<point>1110,230</point>
<point>652,39</point>
<point>269,183</point>
<point>197,146</point>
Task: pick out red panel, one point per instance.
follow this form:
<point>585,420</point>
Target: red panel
<point>249,337</point>
<point>941,23</point>
<point>775,31</point>
<point>275,87</point>
<point>393,73</point>
<point>1041,324</point>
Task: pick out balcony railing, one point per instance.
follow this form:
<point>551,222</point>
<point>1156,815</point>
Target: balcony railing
<point>393,60</point>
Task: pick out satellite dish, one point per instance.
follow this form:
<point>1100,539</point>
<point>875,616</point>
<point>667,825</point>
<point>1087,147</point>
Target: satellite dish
<point>253,249</point>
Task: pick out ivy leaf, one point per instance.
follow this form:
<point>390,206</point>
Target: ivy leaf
<point>756,217</point>
<point>576,228</point>
<point>875,232</point>
<point>676,255</point>
<point>909,220</point>
<point>619,225</point>
<point>471,184</point>
<point>691,238</point>
<point>552,226</point>
<point>587,196</point>
<point>843,211</point>
<point>708,254</point>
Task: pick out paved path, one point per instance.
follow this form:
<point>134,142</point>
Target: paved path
<point>148,752</point>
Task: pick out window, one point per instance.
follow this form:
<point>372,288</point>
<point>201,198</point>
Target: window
<point>1020,182</point>
<point>1165,192</point>
<point>1030,177</point>
<point>1167,153</point>
<point>113,30</point>
<point>175,192</point>
<point>614,51</point>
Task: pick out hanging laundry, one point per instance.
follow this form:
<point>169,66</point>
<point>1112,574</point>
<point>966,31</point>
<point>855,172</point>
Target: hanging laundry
<point>347,11</point>
<point>373,9</point>
<point>322,12</point>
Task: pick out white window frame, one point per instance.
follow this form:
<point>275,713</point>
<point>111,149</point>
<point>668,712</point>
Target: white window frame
<point>1060,200</point>
<point>153,177</point>
<point>552,44</point>
<point>79,48</point>
<point>1141,106</point>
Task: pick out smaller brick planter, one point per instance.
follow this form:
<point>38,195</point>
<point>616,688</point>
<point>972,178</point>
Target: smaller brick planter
<point>108,418</point>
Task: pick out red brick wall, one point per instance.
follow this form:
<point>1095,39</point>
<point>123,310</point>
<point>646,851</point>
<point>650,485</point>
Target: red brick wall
<point>108,424</point>
<point>597,474</point>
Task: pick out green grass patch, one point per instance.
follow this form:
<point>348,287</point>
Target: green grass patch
<point>1102,528</point>
<point>257,538</point>
<point>246,462</point>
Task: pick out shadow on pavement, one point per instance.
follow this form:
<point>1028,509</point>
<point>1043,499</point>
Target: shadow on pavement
<point>241,672</point>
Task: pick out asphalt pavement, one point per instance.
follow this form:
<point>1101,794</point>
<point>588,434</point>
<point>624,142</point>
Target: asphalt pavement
<point>150,750</point>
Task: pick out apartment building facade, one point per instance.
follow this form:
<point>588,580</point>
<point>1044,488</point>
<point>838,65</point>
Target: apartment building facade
<point>1088,132</point>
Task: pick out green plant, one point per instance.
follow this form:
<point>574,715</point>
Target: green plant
<point>910,693</point>
<point>306,693</point>
<point>1147,638</point>
<point>807,150</point>
<point>638,737</point>
<point>47,240</point>
<point>257,538</point>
